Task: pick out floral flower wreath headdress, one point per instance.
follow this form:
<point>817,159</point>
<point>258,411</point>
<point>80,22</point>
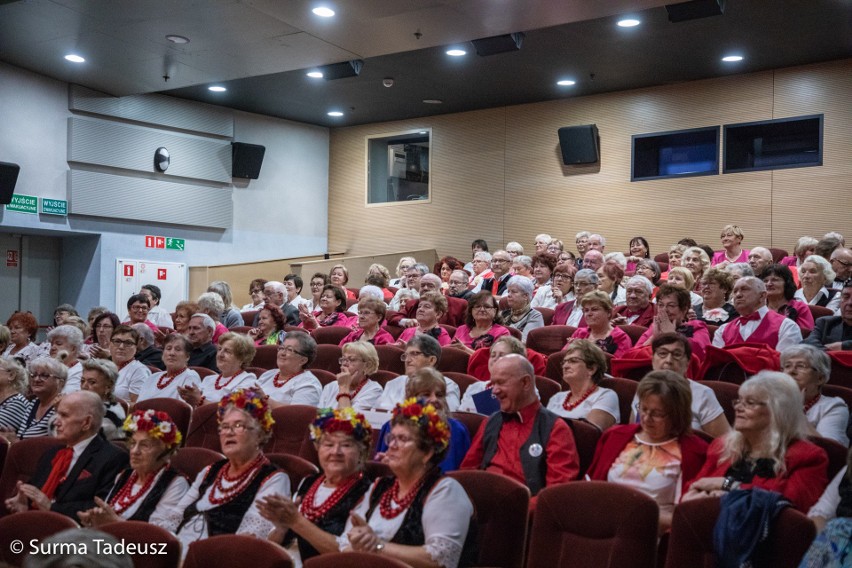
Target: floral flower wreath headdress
<point>426,417</point>
<point>251,402</point>
<point>345,420</point>
<point>156,424</point>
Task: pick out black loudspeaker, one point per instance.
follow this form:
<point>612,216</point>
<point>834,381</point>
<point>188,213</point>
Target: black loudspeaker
<point>579,144</point>
<point>8,179</point>
<point>695,9</point>
<point>246,160</point>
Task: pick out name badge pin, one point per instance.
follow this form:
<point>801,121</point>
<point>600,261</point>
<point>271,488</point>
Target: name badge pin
<point>535,450</point>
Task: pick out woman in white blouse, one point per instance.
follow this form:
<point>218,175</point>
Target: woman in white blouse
<point>583,369</point>
<point>353,386</point>
<point>234,353</point>
<point>131,373</point>
<point>165,384</point>
<point>816,275</point>
<point>292,382</point>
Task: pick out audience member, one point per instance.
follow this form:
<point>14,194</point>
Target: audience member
<point>759,258</point>
<point>177,375</point>
<point>22,331</point>
<point>211,304</point>
<point>318,282</point>
<point>841,262</point>
<point>99,377</point>
<point>520,314</point>
<point>481,270</point>
<point>593,260</point>
<point>597,312</point>
<point>14,407</point>
<point>501,268</point>
<point>571,312</point>
<point>270,326</point>
<point>199,331</point>
<point>353,387</point>
<point>292,382</point>
<point>138,306</point>
<point>423,351</point>
<point>256,295</point>
<point>131,373</point>
<point>233,355</point>
<point>834,333</point>
<point>596,242</point>
<point>431,307</point>
<point>482,323</point>
<point>156,313</point>
<point>780,292</point>
<point>637,308</point>
<point>147,351</point>
<point>457,285</point>
<point>671,317</point>
<point>541,242</point>
<point>68,341</point>
<point>371,315</point>
<point>293,285</point>
<point>817,278</point>
<point>276,295</point>
<point>609,281</point>
<point>716,287</point>
<point>583,368</point>
<point>331,312</point>
<point>339,276</point>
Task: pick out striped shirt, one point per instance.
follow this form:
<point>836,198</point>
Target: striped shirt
<point>14,411</point>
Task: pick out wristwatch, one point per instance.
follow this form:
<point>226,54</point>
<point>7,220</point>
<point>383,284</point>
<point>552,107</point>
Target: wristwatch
<point>380,547</point>
<point>730,484</point>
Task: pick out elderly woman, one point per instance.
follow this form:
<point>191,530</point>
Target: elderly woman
<point>63,311</point>
<point>649,269</point>
<point>422,351</point>
<point>67,339</point>
<point>551,295</point>
<point>520,314</point>
<point>571,312</point>
<point>14,408</point>
<point>482,323</point>
<point>816,275</point>
<point>353,386</point>
<point>270,326</point>
<point>597,312</point>
<point>230,316</point>
<point>402,267</point>
<point>256,295</point>
<point>672,310</point>
<point>431,308</point>
<point>99,376</point>
<point>683,278</point>
<point>183,313</point>
<point>804,248</point>
<point>696,261</point>
<point>149,490</point>
<point>675,258</point>
<point>810,367</point>
<point>132,374</point>
<point>47,377</point>
<point>716,287</point>
<point>522,266</point>
<point>5,338</point>
<point>583,368</point>
<point>562,288</point>
<point>22,331</point>
<point>732,251</point>
<point>659,455</point>
<point>609,281</point>
<point>178,375</point>
<point>223,498</point>
<point>102,328</point>
<point>542,271</point>
<point>768,447</point>
<point>417,516</point>
<point>371,314</point>
<point>445,266</point>
<point>211,303</point>
<point>331,312</point>
<point>310,524</point>
<point>639,249</point>
<point>555,247</point>
<point>339,276</point>
<point>317,284</point>
<point>378,275</point>
<point>292,382</point>
<point>429,385</point>
<point>234,353</point>
<point>780,292</point>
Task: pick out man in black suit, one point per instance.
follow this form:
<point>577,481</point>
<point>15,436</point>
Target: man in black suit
<point>834,333</point>
<point>200,334</point>
<point>68,478</point>
<point>501,266</point>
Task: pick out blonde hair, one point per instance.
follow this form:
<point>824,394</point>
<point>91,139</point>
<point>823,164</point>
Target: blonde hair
<point>688,278</point>
<point>365,351</point>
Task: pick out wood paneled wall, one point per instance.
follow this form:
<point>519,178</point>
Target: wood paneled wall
<point>497,173</point>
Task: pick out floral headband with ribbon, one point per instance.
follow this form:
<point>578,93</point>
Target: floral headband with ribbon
<point>156,424</point>
<point>426,417</point>
<point>251,402</point>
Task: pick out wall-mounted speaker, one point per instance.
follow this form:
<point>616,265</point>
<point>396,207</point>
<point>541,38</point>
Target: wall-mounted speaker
<point>8,179</point>
<point>246,160</point>
<point>579,144</point>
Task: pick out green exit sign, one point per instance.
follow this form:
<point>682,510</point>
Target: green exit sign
<point>175,244</point>
<point>23,204</point>
<point>54,206</point>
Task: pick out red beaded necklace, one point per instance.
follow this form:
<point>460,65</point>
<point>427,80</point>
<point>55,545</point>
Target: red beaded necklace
<point>278,383</point>
<point>228,380</point>
<point>390,505</point>
<point>354,393</point>
<point>240,482</point>
<point>124,499</point>
<point>812,402</point>
<point>169,378</point>
<point>572,405</point>
<point>126,363</point>
<point>314,513</point>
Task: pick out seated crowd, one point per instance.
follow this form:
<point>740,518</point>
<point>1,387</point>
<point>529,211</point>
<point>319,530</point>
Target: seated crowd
<point>642,343</point>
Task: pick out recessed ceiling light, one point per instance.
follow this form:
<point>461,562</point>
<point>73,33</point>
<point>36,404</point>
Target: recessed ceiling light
<point>732,58</point>
<point>456,52</point>
<point>323,11</point>
<point>315,74</point>
<point>335,113</point>
<point>432,101</point>
<point>566,83</point>
<point>74,58</point>
<point>628,23</point>
<point>217,89</point>
<point>177,39</point>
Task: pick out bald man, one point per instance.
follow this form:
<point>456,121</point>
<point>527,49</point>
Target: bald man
<point>456,307</point>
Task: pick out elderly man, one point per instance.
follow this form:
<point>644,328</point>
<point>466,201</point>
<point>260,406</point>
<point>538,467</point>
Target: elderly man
<point>199,331</point>
<point>593,260</point>
<point>597,242</point>
<point>147,351</point>
<point>412,274</point>
<point>68,478</point>
<point>501,267</point>
<point>759,259</point>
<point>841,263</point>
<point>581,239</point>
<point>514,249</point>
<point>757,323</point>
<point>541,242</point>
<point>524,441</point>
<point>672,352</point>
<point>275,294</point>
<point>456,307</point>
<point>457,285</point>
<point>638,309</point>
<point>834,333</point>
<point>421,352</point>
<point>481,270</point>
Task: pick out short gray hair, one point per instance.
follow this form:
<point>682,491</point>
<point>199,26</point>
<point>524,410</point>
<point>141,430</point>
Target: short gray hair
<point>307,344</point>
<point>522,282</point>
<point>525,260</point>
<point>49,364</point>
<point>515,246</point>
<point>428,345</point>
<point>483,255</point>
<point>224,290</point>
<point>107,369</point>
<point>69,333</point>
<point>206,321</point>
<point>817,358</point>
<point>276,285</point>
<point>639,279</point>
<point>741,268</point>
<point>755,283</point>
<point>211,302</point>
<point>422,268</point>
<point>824,265</point>
<point>145,333</point>
<point>582,235</point>
<point>19,374</point>
<point>764,252</point>
<point>370,291</point>
<point>588,273</point>
<point>600,237</point>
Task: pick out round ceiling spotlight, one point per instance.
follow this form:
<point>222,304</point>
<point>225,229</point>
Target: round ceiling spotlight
<point>335,113</point>
<point>315,74</point>
<point>732,58</point>
<point>628,23</point>
<point>217,89</point>
<point>566,83</point>
<point>178,39</point>
<point>456,52</point>
<point>74,58</point>
<point>323,12</point>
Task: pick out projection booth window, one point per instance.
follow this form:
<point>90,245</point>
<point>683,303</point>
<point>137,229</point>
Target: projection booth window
<point>398,167</point>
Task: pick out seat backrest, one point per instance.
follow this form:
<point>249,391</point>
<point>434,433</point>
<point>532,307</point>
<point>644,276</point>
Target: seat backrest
<point>324,377</point>
<point>374,469</point>
<point>190,461</point>
<point>463,380</point>
<point>618,527</point>
<point>244,329</point>
<point>549,339</point>
<point>633,331</point>
<point>546,314</point>
<point>625,389</point>
<point>453,359</point>
<point>331,335</point>
<point>390,358</point>
<point>382,377</point>
<point>143,533</point>
<point>290,434</point>
<point>248,317</point>
<point>256,371</point>
<point>819,311</point>
<point>328,358</point>
<point>471,420</point>
<point>841,370</point>
<point>778,254</point>
<point>236,550</point>
<point>546,388</point>
<point>266,357</point>
<point>394,330</point>
<point>554,366</point>
<point>179,410</point>
<point>516,333</point>
<point>662,257</point>
<point>586,438</point>
<point>295,467</point>
<point>204,428</point>
<point>27,526</point>
<point>501,507</point>
<point>21,462</point>
<point>725,393</point>
<point>4,450</point>
<point>203,371</point>
<point>353,560</point>
<point>450,329</point>
<point>836,451</point>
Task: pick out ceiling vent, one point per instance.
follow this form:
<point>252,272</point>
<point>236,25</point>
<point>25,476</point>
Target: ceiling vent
<point>498,44</point>
<point>342,70</point>
<point>695,9</point>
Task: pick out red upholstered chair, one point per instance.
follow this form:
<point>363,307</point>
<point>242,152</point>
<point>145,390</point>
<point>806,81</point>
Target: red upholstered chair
<point>382,377</point>
<point>626,390</point>
<point>836,451</point>
<point>325,377</point>
<point>547,388</point>
<point>516,333</point>
<point>451,329</point>
<point>394,330</point>
<point>501,506</point>
<point>634,331</point>
<point>662,257</point>
<point>180,411</point>
<point>295,467</point>
<point>244,329</point>
<point>833,390</point>
<point>547,314</point>
<point>190,461</point>
<point>618,527</point>
<point>777,254</point>
<point>332,335</point>
<point>725,393</point>
<point>27,526</point>
<point>691,540</point>
<point>354,560</point>
<point>554,366</point>
<point>154,369</point>
<point>21,463</point>
<point>586,436</point>
<point>463,380</point>
<point>4,449</point>
<point>549,339</point>
<point>257,371</point>
<point>374,469</point>
<point>203,371</point>
<point>453,359</point>
<point>819,311</point>
<point>204,428</point>
<point>143,533</point>
<point>290,434</point>
<point>841,370</point>
<point>503,304</point>
<point>248,317</point>
<point>471,420</point>
<point>266,357</point>
<point>328,358</point>
<point>711,329</point>
<point>390,358</point>
<point>236,550</point>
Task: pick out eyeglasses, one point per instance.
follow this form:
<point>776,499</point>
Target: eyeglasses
<point>410,355</point>
<point>104,326</point>
<point>559,276</point>
<point>665,354</point>
<point>500,260</point>
<point>122,342</point>
<point>42,376</point>
<point>390,440</point>
<point>256,291</point>
<point>317,284</point>
<point>572,361</point>
<point>349,360</point>
<point>747,403</point>
<point>581,284</point>
<point>796,367</point>
<point>290,351</point>
<point>653,414</point>
<point>236,428</point>
<point>841,262</point>
<point>141,308</point>
<point>484,308</point>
